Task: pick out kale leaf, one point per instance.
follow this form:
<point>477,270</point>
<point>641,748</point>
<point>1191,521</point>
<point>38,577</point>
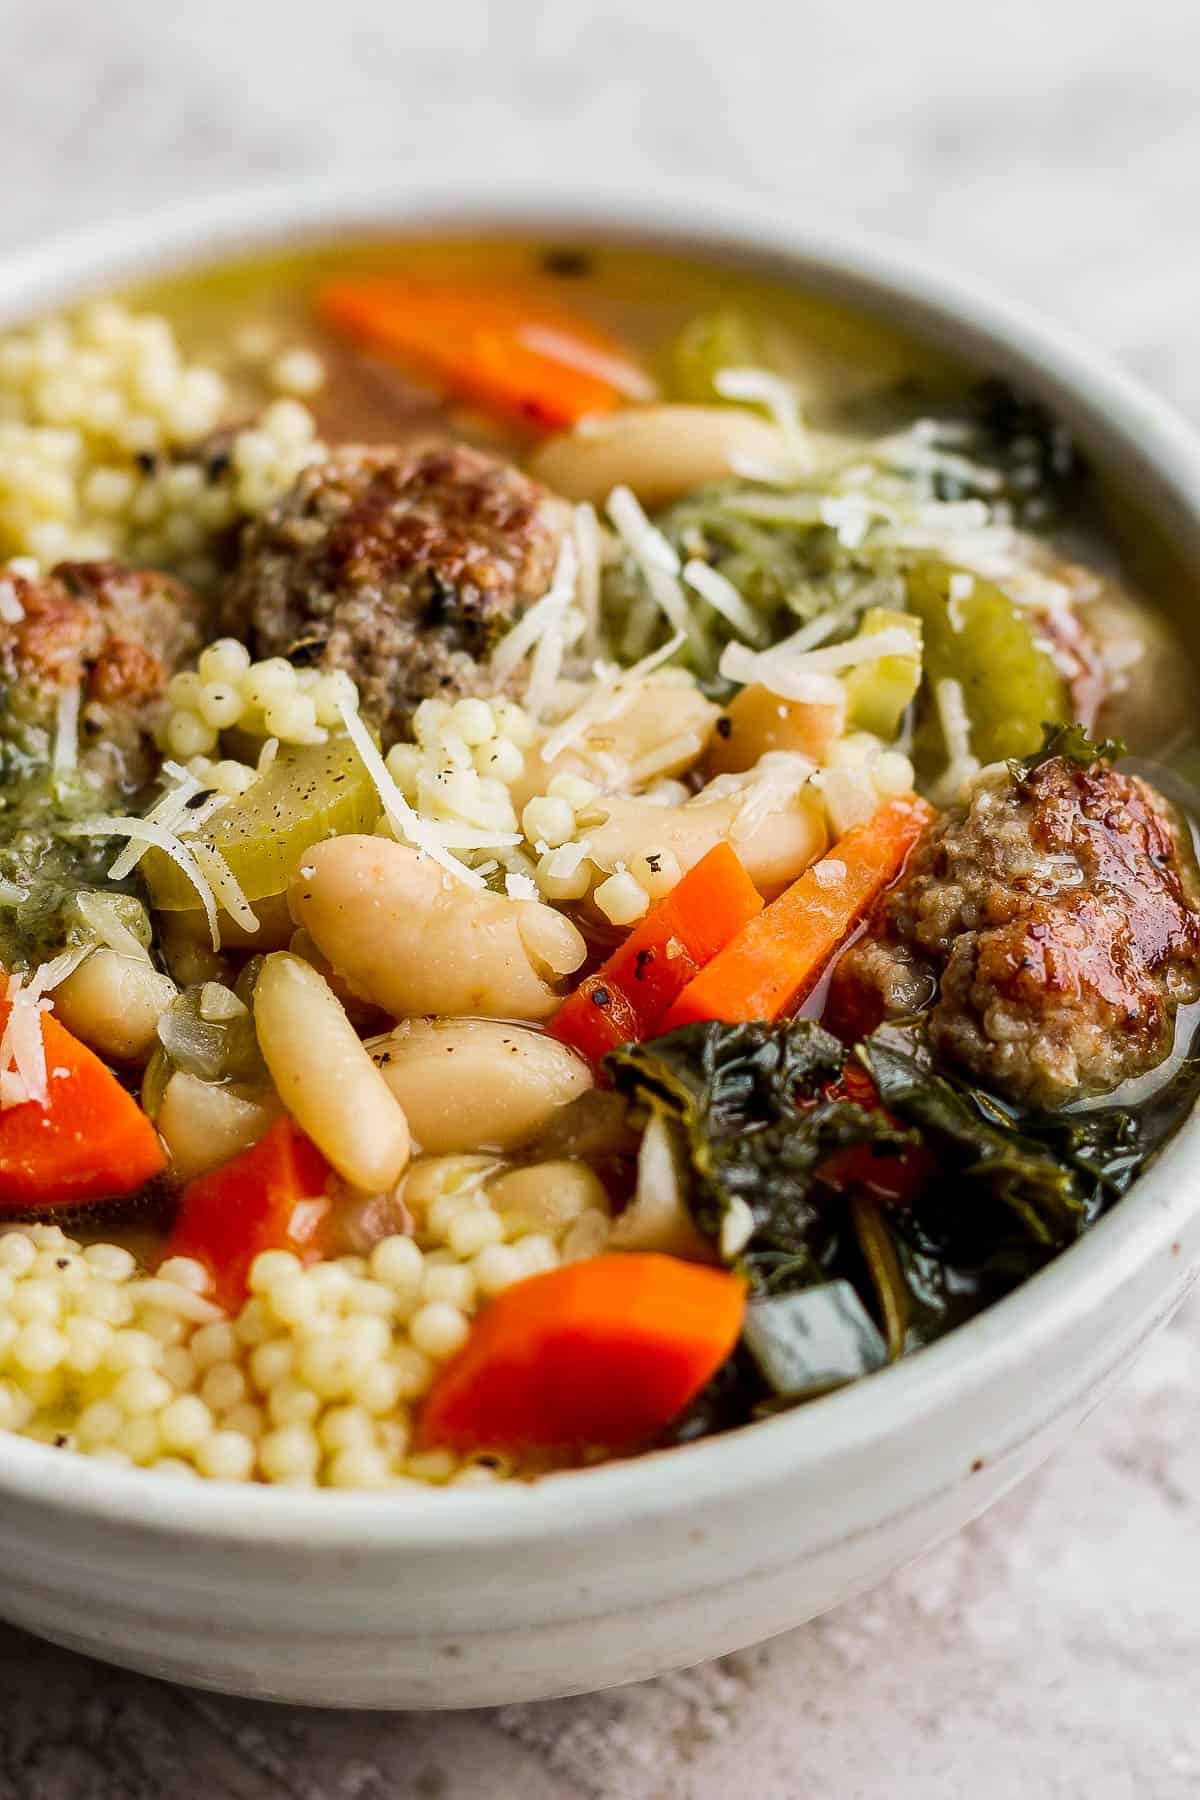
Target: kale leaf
<point>753,1112</point>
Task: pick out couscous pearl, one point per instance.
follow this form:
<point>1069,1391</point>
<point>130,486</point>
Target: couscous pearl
<point>36,1300</point>
<point>452,1283</point>
<point>292,1300</point>
<point>141,1391</point>
<point>17,1253</point>
<point>372,1299</point>
<point>226,1456</point>
<point>174,1465</point>
<point>140,1439</point>
<point>329,1366</point>
<point>132,1350</point>
<point>345,1428</point>
<point>398,1262</point>
<point>99,1423</point>
<point>38,1347</point>
<point>474,1231</point>
<point>214,1343</point>
<point>226,659</point>
<point>272,1266</point>
<point>359,1467</point>
<point>104,1300</point>
<point>290,1403</point>
<point>378,1388</point>
<point>87,1343</point>
<point>497,1267</point>
<point>254,1324</point>
<point>439,1329</point>
<point>16,1408</point>
<point>537,1253</point>
<point>184,1422</point>
<point>179,1366</point>
<point>413,1371</point>
<point>272,1362</point>
<point>166,1328</point>
<point>8,1332</point>
<point>290,1454</point>
<point>224,1385</point>
<point>247,1419</point>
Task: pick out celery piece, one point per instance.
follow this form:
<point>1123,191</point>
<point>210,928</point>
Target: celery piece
<point>711,342</point>
<point>877,693</point>
<point>975,635</point>
<point>312,792</point>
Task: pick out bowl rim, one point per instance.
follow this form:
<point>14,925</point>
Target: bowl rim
<point>1141,428</point>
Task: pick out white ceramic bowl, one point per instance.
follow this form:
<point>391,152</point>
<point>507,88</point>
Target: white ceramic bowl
<point>461,1598</point>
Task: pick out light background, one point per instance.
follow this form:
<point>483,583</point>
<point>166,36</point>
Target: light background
<point>1052,145</point>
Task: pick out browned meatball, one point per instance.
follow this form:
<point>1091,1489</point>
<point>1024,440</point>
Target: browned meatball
<point>116,634</point>
<point>402,566</point>
<point>1053,926</point>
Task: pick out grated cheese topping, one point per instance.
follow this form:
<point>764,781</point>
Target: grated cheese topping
<point>66,732</point>
<point>759,387</point>
<point>614,371</point>
<point>656,561</point>
<point>23,1076</point>
<point>404,821</point>
<point>11,610</point>
<point>142,833</point>
<point>724,598</point>
<point>614,691</point>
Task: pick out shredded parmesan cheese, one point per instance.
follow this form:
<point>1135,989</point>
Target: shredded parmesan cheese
<point>226,886</point>
<point>404,821</point>
<point>758,387</point>
<point>22,1046</point>
<point>724,598</point>
<point>11,610</point>
<point>586,528</point>
<point>656,561</point>
<point>614,371</point>
<point>614,690</point>
<point>66,731</point>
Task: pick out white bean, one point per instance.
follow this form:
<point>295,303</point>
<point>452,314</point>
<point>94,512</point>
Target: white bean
<point>113,1003</point>
<point>325,1075</point>
<point>664,729</point>
<point>470,1084</point>
<point>548,1196</point>
<point>660,452</point>
<point>415,941</point>
<point>203,1124</point>
<point>773,850</point>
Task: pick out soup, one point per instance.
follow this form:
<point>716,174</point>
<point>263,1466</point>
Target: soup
<point>569,872</point>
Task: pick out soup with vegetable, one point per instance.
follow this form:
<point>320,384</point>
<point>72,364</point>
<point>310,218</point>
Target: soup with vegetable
<point>590,847</point>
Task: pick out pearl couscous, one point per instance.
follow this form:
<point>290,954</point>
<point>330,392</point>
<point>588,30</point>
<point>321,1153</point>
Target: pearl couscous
<point>553,863</point>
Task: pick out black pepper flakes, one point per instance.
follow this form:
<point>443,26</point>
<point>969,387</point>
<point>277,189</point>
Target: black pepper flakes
<point>724,726</point>
<point>601,997</point>
<point>566,262</point>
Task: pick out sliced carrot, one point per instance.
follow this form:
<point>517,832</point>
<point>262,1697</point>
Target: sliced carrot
<point>624,1000</point>
<point>505,350</point>
<point>270,1197</point>
<point>776,959</point>
<point>91,1141</point>
<point>598,1354</point>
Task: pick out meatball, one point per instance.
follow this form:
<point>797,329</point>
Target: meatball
<point>1050,925</point>
<point>402,566</point>
<point>116,634</point>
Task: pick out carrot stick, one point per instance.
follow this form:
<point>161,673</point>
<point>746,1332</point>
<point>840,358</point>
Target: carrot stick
<point>91,1141</point>
<point>598,1354</point>
<point>504,350</point>
<point>270,1197</point>
<point>624,1000</point>
<point>779,956</point>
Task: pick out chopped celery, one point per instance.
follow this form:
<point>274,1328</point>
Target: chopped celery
<point>975,635</point>
<point>312,792</point>
<point>877,693</point>
<point>710,342</point>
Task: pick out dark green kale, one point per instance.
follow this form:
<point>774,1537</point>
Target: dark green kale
<point>752,1114</point>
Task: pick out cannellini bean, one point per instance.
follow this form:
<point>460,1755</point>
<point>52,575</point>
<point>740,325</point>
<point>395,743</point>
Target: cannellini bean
<point>325,1075</point>
<point>757,721</point>
<point>547,1196</point>
<point>467,1084</point>
<point>660,452</point>
<point>774,847</point>
<point>663,730</point>
<point>415,941</point>
<point>657,1218</point>
<point>113,1003</point>
<point>203,1124</point>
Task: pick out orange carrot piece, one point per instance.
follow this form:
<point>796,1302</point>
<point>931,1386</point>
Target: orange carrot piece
<point>598,1354</point>
<point>91,1141</point>
<point>624,1000</point>
<point>270,1197</point>
<point>505,350</point>
<point>778,958</point>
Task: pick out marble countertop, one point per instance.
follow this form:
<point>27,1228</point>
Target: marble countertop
<point>1051,1649</point>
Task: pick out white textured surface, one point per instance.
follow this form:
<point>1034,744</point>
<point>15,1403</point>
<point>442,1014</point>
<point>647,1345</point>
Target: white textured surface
<point>1053,1648</point>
